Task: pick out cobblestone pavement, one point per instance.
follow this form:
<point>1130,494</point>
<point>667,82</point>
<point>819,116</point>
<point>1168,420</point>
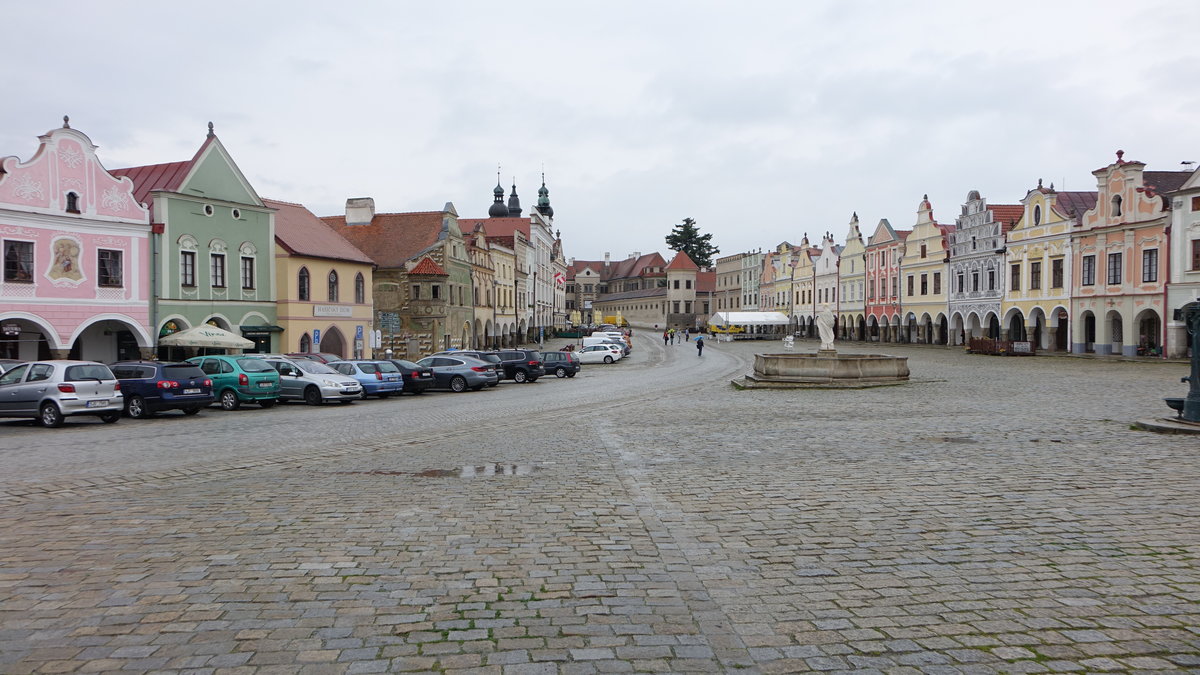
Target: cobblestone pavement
<point>995,515</point>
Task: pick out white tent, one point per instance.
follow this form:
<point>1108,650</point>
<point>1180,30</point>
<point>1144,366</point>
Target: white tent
<point>206,336</point>
<point>748,319</point>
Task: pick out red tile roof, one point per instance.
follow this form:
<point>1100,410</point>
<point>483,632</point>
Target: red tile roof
<point>681,261</point>
<point>1067,203</point>
<point>167,176</point>
<point>391,239</point>
<point>633,267</point>
<point>427,267</point>
<point>300,232</point>
<point>706,282</point>
<point>1006,215</point>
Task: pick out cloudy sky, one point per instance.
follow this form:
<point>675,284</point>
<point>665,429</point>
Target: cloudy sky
<point>763,120</point>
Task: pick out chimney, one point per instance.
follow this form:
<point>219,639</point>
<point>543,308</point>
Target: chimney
<point>606,258</point>
<point>636,254</point>
<point>360,210</point>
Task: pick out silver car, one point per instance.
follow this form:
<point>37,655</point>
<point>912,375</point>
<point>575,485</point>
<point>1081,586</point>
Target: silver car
<point>459,373</point>
<point>51,391</point>
<point>312,381</point>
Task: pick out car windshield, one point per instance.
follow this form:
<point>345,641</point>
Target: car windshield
<point>387,367</point>
<point>426,362</point>
<point>182,371</point>
<point>408,364</point>
<point>92,371</point>
<point>255,366</point>
<point>315,368</point>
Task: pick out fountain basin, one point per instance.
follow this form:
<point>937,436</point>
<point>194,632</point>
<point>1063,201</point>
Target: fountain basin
<point>825,370</point>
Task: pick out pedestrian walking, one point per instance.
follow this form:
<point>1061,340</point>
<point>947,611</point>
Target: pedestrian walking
<point>666,337</point>
<point>699,345</point>
<point>672,331</point>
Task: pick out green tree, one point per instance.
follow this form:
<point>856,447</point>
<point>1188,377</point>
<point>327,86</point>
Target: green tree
<point>685,237</point>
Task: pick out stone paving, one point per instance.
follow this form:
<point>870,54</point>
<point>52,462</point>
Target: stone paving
<point>995,515</point>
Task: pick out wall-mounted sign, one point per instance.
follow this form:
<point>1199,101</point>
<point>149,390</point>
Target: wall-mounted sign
<point>316,336</point>
<point>333,310</point>
<point>10,329</point>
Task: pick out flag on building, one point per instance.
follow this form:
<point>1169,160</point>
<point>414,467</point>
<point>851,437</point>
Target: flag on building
<point>560,278</point>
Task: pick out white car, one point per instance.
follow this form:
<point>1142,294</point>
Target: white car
<point>605,353</point>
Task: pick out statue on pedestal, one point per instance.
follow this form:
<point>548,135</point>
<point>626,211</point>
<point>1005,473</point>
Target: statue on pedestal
<point>825,321</point>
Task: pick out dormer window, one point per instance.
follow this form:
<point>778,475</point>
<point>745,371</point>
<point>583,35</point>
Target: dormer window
<point>1116,205</point>
<point>72,202</point>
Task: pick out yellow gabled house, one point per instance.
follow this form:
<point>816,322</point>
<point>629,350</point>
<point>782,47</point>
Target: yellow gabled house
<point>323,284</point>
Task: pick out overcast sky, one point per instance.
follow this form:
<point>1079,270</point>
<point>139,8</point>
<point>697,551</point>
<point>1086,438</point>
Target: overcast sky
<point>761,120</point>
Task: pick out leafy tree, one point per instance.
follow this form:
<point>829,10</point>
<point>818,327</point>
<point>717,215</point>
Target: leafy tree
<point>686,237</point>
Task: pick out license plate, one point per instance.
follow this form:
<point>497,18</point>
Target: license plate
<point>97,404</point>
<point>191,391</point>
<point>266,385</point>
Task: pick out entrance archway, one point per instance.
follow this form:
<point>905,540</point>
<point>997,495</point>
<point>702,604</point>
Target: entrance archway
<point>1016,326</point>
<point>333,342</point>
<point>1062,330</point>
<point>24,337</point>
<point>993,326</point>
<point>107,340</point>
<point>305,343</point>
<point>1149,329</point>
<point>1116,332</point>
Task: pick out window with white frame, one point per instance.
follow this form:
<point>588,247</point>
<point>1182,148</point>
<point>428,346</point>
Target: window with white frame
<point>109,268</point>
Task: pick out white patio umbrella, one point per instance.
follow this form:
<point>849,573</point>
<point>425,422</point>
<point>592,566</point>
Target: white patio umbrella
<point>206,336</point>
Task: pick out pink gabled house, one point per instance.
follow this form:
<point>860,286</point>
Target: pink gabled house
<point>1119,273</point>
<point>74,247</point>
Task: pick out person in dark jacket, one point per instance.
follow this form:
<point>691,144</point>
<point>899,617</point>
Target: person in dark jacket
<point>699,345</point>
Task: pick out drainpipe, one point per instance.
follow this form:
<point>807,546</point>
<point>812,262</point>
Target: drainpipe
<point>155,235</point>
<point>1166,283</point>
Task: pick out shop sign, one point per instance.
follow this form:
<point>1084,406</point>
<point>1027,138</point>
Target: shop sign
<point>333,310</point>
<point>10,329</point>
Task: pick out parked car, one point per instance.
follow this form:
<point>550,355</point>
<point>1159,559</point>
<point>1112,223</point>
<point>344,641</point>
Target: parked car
<point>459,373</point>
<point>51,391</point>
<point>240,378</point>
<point>562,364</point>
<point>312,381</point>
<point>605,353</point>
<point>521,365</point>
<point>416,378</point>
<point>153,386</point>
<point>491,357</point>
<point>378,378</point>
<point>8,364</point>
<point>319,357</point>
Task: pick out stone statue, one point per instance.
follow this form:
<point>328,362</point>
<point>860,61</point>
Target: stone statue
<point>825,327</point>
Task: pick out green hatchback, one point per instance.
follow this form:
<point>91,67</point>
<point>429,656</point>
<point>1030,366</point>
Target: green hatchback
<point>239,379</point>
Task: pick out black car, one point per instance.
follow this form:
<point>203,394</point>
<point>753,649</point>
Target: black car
<point>416,378</point>
<point>562,364</point>
<point>152,386</point>
<point>521,365</point>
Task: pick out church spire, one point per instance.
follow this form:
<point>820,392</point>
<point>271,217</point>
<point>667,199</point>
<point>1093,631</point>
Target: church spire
<point>498,210</point>
<point>543,201</point>
<point>514,203</point>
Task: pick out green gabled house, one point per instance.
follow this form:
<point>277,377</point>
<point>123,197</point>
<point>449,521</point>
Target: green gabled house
<point>212,247</point>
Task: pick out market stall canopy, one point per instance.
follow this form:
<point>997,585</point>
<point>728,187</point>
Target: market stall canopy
<point>748,319</point>
<point>206,336</point>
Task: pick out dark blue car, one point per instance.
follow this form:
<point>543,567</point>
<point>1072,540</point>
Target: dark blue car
<point>152,386</point>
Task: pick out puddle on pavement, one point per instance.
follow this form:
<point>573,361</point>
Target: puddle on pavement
<point>466,471</point>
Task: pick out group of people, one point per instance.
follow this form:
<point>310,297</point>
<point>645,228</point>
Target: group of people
<point>670,335</point>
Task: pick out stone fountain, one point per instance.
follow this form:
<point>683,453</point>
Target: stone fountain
<point>1188,419</point>
<point>826,369</point>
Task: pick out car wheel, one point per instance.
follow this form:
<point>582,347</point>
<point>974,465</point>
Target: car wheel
<point>136,407</point>
<point>362,394</point>
<point>608,359</point>
<point>267,402</point>
<point>570,374</point>
<point>312,396</point>
<point>458,384</point>
<point>560,372</point>
<point>519,377</point>
<point>50,416</point>
<point>229,400</point>
<point>109,418</point>
<point>191,411</point>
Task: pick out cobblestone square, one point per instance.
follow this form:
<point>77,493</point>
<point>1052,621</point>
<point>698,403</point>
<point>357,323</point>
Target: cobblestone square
<point>993,515</point>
